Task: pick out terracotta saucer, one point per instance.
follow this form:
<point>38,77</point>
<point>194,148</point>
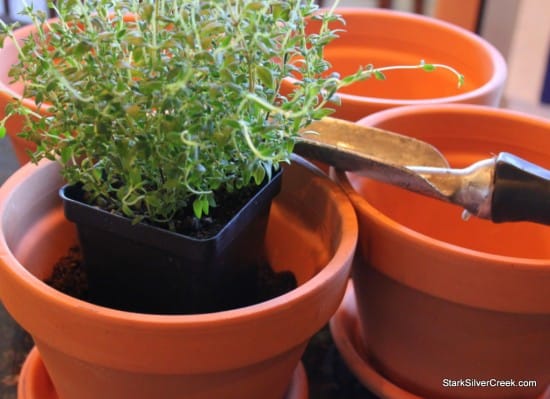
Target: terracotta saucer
<point>35,383</point>
<point>345,330</point>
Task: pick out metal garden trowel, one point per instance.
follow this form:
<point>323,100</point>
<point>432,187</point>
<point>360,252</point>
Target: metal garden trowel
<point>503,188</point>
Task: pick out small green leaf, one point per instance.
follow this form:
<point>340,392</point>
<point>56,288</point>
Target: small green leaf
<point>460,80</point>
<point>147,11</point>
<point>265,76</point>
<point>135,38</point>
<point>205,206</point>
<point>2,132</point>
<point>321,113</point>
<point>259,175</point>
<point>255,5</point>
<point>127,210</point>
<point>96,174</point>
<point>211,201</point>
<point>82,48</point>
<point>134,177</point>
<point>201,206</point>
<point>132,110</point>
<point>379,75</point>
<point>66,154</point>
<point>428,67</point>
<point>120,193</point>
<point>197,208</point>
<point>3,37</point>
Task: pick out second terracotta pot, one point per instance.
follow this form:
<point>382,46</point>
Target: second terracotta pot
<point>386,37</point>
<point>442,300</point>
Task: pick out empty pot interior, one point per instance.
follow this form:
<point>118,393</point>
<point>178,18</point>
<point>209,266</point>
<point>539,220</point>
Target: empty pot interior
<point>464,138</point>
<point>391,38</point>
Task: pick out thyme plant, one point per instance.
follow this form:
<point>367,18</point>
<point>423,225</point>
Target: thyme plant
<point>155,105</point>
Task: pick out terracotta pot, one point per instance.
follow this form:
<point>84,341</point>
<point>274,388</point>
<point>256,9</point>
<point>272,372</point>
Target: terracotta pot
<point>442,298</point>
<point>94,352</point>
<point>386,37</point>
<point>10,90</point>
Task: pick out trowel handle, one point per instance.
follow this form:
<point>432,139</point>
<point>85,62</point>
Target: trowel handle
<point>521,191</point>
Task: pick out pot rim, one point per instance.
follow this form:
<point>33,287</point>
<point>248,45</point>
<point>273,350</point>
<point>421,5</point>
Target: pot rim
<point>498,63</point>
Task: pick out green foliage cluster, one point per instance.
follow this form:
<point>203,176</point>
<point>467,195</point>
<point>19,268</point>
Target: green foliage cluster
<point>154,105</point>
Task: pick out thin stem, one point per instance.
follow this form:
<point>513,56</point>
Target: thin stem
<point>422,65</point>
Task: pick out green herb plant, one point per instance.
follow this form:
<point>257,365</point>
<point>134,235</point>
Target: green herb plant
<point>156,105</point>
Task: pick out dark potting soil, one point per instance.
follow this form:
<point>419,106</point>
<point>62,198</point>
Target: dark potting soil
<point>69,277</point>
<point>208,226</point>
<point>184,222</point>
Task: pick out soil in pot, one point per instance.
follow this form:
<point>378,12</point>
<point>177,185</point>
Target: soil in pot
<point>69,276</point>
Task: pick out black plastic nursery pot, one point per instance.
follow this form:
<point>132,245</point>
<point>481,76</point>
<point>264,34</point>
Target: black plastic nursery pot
<point>147,269</point>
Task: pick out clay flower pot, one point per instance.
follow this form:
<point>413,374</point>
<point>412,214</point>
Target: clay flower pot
<point>95,352</point>
<point>386,37</point>
<point>10,90</point>
<point>440,301</point>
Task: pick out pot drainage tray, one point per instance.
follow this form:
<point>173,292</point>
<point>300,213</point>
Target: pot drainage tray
<point>35,383</point>
<point>344,327</point>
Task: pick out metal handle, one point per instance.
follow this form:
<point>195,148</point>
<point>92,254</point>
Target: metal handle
<point>521,191</point>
